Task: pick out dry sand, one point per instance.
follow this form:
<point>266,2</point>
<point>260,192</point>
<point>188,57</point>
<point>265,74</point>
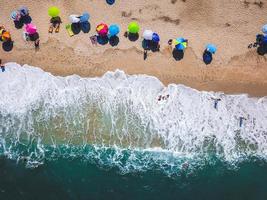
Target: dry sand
<point>230,24</point>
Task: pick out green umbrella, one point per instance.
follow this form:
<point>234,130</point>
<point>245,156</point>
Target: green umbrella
<point>133,27</point>
<point>53,11</point>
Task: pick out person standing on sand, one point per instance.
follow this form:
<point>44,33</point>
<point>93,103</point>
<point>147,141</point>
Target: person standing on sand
<point>2,66</point>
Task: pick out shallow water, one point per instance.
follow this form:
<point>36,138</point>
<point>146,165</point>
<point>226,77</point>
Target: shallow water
<point>96,138</point>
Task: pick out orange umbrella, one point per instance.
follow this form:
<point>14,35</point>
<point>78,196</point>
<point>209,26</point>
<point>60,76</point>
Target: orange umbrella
<point>6,36</point>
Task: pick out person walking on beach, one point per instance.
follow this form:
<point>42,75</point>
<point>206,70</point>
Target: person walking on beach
<point>2,66</point>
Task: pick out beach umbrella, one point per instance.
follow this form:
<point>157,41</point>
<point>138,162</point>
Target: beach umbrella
<point>24,11</point>
<point>53,11</point>
<point>85,17</point>
<point>211,48</point>
<point>15,15</point>
<point>264,29</point>
<point>110,2</point>
<point>102,29</point>
<point>133,27</point>
<point>31,29</point>
<point>114,29</point>
<point>6,36</point>
<point>180,43</point>
<point>74,18</point>
<point>148,34</point>
<point>155,37</point>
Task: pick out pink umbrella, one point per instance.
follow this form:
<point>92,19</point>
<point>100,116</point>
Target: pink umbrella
<point>31,29</point>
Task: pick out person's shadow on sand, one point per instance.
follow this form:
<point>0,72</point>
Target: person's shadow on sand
<point>178,54</point>
<point>7,46</point>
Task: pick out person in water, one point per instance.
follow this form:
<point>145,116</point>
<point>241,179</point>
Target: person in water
<point>2,66</point>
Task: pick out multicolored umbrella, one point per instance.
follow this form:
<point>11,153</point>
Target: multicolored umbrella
<point>133,27</point>
<point>155,37</point>
<point>264,29</point>
<point>102,29</point>
<point>30,29</point>
<point>180,43</point>
<point>114,29</point>
<point>211,48</point>
<point>53,11</point>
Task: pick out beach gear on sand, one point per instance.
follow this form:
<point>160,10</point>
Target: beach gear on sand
<point>53,11</point>
<point>30,29</point>
<point>85,17</point>
<point>114,29</point>
<point>148,35</point>
<point>74,18</point>
<point>211,48</point>
<point>133,27</point>
<point>24,11</point>
<point>110,2</point>
<point>264,29</point>
<point>180,43</point>
<point>155,37</point>
<point>69,30</point>
<point>102,29</point>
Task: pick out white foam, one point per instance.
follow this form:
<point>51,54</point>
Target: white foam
<point>130,113</point>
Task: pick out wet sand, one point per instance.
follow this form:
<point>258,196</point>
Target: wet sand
<point>231,25</point>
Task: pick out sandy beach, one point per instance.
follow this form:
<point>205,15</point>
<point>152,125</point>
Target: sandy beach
<point>230,24</point>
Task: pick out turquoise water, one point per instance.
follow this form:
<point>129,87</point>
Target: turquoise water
<point>111,138</point>
<point>76,179</point>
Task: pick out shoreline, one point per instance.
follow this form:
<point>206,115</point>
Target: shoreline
<point>233,78</point>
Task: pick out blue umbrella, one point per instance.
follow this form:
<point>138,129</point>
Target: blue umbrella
<point>264,29</point>
<point>14,15</point>
<point>24,11</point>
<point>155,37</point>
<point>211,48</point>
<point>180,46</point>
<point>85,17</point>
<point>110,2</point>
<point>180,40</point>
<point>114,29</point>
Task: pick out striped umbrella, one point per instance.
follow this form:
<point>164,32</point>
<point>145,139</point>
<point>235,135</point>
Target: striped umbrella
<point>180,43</point>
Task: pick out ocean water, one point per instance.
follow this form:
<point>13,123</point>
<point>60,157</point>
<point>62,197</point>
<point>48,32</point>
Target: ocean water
<point>112,138</point>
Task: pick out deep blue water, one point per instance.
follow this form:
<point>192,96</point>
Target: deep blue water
<point>75,179</point>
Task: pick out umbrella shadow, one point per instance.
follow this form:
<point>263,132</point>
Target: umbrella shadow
<point>262,49</point>
<point>114,40</point>
<point>26,19</point>
<point>133,36</point>
<point>150,45</point>
<point>76,28</point>
<point>207,57</point>
<point>7,46</point>
<point>23,20</point>
<point>85,27</point>
<point>178,54</point>
<point>102,40</point>
<point>34,37</point>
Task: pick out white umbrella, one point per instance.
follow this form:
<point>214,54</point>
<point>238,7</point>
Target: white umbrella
<point>148,34</point>
<point>74,18</point>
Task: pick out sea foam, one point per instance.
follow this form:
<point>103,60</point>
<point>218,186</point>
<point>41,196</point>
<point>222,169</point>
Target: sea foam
<point>39,110</point>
